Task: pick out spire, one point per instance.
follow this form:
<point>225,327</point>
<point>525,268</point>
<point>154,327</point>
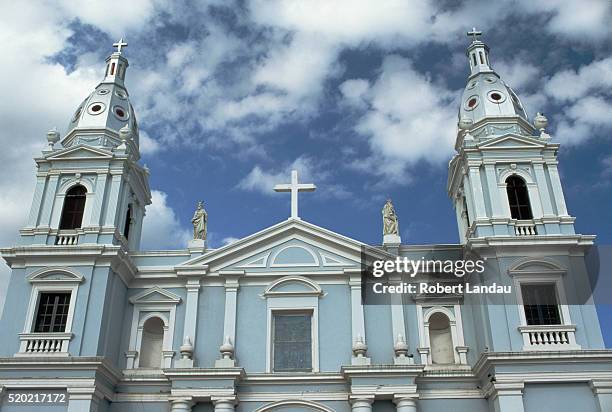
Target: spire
<point>116,65</point>
<point>478,54</point>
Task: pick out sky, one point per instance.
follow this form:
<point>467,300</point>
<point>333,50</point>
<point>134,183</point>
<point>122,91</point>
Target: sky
<point>360,96</point>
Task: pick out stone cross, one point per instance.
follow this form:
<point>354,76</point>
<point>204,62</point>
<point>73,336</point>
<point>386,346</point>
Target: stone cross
<point>120,44</point>
<point>294,187</point>
<point>474,33</point>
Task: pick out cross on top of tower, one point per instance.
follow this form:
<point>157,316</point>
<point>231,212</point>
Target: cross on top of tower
<point>120,44</point>
<point>294,187</point>
<point>474,33</point>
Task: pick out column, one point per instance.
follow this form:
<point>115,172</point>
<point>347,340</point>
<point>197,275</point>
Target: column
<point>229,320</point>
<point>36,201</point>
<point>83,400</point>
<point>362,404</point>
<point>98,203</point>
<point>224,403</point>
<point>191,318</point>
<point>48,201</point>
<point>557,189</point>
<point>181,405</point>
<point>540,178</point>
<point>405,404</point>
<point>508,397</point>
<point>496,205</point>
<point>603,394</point>
<point>357,317</point>
<point>113,200</point>
<point>399,329</point>
<point>477,193</point>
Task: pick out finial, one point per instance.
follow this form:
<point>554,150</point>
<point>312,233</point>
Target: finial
<point>53,137</point>
<point>119,45</point>
<point>359,347</point>
<point>186,348</point>
<point>540,122</point>
<point>227,348</point>
<point>474,33</point>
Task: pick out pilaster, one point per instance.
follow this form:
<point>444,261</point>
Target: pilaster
<point>357,318</point>
<point>36,201</point>
<point>229,320</point>
<point>83,400</point>
<point>603,394</point>
<point>557,189</point>
<point>477,193</point>
<point>48,201</point>
<point>508,397</point>
<point>113,200</point>
<point>540,178</point>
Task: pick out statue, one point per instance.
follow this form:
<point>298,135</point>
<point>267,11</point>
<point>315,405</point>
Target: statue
<point>390,223</point>
<point>200,218</point>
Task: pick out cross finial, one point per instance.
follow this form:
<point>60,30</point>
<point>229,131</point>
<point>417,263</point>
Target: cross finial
<point>474,33</point>
<point>294,187</point>
<point>120,44</point>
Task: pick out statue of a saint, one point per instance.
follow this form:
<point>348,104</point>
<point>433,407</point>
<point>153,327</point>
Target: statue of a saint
<point>390,223</point>
<point>200,218</point>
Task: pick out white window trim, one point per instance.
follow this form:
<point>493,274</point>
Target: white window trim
<point>533,278</point>
<point>294,303</point>
<point>68,282</point>
<point>522,274</point>
<point>424,312</point>
<point>165,309</point>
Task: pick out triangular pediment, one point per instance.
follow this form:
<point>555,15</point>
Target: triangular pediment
<point>155,295</point>
<point>290,246</point>
<point>80,152</point>
<point>512,141</point>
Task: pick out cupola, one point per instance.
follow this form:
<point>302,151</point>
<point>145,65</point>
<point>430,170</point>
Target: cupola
<point>97,121</point>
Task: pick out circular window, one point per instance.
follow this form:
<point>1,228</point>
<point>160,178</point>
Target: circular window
<point>472,85</point>
<point>96,108</point>
<point>121,94</point>
<point>120,113</point>
<point>471,103</point>
<point>490,79</point>
<point>77,114</point>
<point>103,91</point>
<point>496,96</point>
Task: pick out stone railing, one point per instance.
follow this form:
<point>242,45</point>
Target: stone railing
<point>67,238</point>
<point>549,337</point>
<point>44,344</point>
<point>525,228</point>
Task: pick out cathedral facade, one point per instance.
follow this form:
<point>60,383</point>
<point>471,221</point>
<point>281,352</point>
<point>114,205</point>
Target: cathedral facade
<point>276,321</point>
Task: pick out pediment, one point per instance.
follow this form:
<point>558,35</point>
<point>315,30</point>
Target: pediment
<point>54,275</point>
<point>290,246</point>
<point>512,141</point>
<point>155,295</point>
<point>80,152</point>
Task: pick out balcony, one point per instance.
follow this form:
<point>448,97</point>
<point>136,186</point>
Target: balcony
<point>67,238</point>
<point>549,337</point>
<point>525,228</point>
<point>44,344</point>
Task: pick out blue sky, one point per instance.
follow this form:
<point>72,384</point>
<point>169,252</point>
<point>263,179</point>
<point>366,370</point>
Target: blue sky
<point>360,97</point>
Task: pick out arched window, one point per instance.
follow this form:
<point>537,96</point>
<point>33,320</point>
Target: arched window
<point>518,197</point>
<point>151,345</point>
<point>440,339</point>
<point>128,222</point>
<point>74,206</point>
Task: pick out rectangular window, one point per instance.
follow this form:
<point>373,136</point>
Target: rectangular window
<point>52,312</point>
<point>292,350</point>
<point>541,305</point>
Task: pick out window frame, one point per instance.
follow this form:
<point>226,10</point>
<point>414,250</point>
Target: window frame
<point>54,314</point>
<point>274,313</point>
<point>63,212</point>
<point>518,206</point>
<point>305,298</point>
<point>58,279</point>
<point>554,278</point>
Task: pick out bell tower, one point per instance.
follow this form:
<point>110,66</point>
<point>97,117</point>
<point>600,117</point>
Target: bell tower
<point>90,187</point>
<point>503,180</point>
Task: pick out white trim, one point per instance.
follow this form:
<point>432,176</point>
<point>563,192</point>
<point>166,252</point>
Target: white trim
<point>424,312</point>
<point>312,285</point>
<point>299,264</point>
<point>164,309</point>
<point>39,285</point>
<point>298,402</point>
<point>284,303</point>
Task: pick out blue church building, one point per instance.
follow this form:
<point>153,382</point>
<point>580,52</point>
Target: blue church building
<point>275,321</point>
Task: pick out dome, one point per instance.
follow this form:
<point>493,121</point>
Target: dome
<point>487,95</point>
<point>99,118</point>
<point>107,107</point>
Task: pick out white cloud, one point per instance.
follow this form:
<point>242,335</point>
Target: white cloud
<point>228,240</point>
<point>570,84</point>
<point>148,146</point>
<point>411,118</point>
<point>161,227</point>
<point>309,171</point>
<point>354,90</point>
